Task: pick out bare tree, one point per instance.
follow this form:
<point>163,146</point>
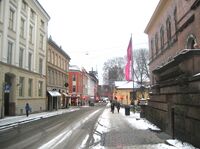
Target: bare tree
<point>141,69</point>
<point>113,70</point>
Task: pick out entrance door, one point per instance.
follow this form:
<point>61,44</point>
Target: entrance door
<point>9,106</point>
<point>172,122</point>
<point>6,103</point>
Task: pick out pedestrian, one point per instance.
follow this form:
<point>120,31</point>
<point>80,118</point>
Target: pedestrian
<point>118,107</point>
<point>27,108</point>
<point>112,107</point>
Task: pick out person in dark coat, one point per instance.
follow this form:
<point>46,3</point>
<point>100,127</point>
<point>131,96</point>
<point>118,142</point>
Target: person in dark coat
<point>112,107</point>
<point>118,107</point>
<point>27,108</point>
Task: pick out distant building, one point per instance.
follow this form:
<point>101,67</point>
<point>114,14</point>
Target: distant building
<point>57,76</point>
<point>126,94</point>
<point>105,91</point>
<point>93,86</point>
<point>174,39</point>
<point>23,36</point>
<point>75,85</point>
<point>82,86</point>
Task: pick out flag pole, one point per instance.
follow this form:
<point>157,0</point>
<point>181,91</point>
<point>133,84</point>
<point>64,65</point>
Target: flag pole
<point>132,69</point>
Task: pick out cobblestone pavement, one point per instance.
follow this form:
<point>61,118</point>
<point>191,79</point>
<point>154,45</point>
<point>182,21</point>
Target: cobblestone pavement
<point>122,134</point>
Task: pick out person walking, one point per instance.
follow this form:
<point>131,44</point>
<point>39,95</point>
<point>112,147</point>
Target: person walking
<point>27,108</point>
<point>118,107</point>
<point>112,107</point>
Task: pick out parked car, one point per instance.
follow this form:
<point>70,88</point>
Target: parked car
<point>143,101</point>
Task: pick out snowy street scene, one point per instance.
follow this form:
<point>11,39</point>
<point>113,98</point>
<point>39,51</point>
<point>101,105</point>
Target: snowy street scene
<point>100,74</point>
<point>100,129</point>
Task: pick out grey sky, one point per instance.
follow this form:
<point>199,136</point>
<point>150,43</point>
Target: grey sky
<point>93,31</point>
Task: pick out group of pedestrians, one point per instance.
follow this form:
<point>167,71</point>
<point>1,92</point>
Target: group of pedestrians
<point>113,104</point>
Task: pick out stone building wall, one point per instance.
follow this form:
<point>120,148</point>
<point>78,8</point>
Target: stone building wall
<point>175,73</point>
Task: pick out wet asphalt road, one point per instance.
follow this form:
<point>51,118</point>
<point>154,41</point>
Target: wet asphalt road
<point>67,131</point>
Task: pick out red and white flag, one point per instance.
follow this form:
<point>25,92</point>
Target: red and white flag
<point>128,72</point>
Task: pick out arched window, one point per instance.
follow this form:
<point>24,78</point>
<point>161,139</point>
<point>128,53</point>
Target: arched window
<point>156,42</point>
<point>168,25</point>
<point>161,37</point>
<point>175,18</point>
<point>152,49</point>
<point>191,41</point>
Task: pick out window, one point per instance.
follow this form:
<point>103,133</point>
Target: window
<point>22,27</point>
<point>30,83</point>
<point>40,83</point>
<point>168,25</point>
<point>40,65</point>
<point>42,24</point>
<point>9,54</point>
<point>32,14</point>
<point>74,78</point>
<point>53,80</point>
<point>11,19</point>
<point>29,61</point>
<point>52,58</point>
<point>48,77</point>
<point>191,41</point>
<point>49,55</point>
<point>21,86</point>
<point>41,41</point>
<point>175,18</point>
<point>21,53</point>
<point>162,37</point>
<point>74,89</point>
<point>1,13</point>
<point>152,48</point>
<point>56,57</point>
<point>24,5</point>
<point>59,62</point>
<point>31,34</point>
<point>156,42</point>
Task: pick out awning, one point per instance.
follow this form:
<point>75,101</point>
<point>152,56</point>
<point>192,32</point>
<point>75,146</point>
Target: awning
<point>54,93</point>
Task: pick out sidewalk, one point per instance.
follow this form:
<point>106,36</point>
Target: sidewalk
<point>119,131</point>
<point>12,121</point>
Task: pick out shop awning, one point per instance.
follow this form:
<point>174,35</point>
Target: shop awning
<point>54,93</point>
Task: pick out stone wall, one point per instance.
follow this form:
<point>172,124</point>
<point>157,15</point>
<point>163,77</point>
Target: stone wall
<point>174,103</point>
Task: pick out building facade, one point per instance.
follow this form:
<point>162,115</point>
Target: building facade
<point>93,86</point>
<point>23,36</point>
<point>174,39</point>
<point>85,96</point>
<point>57,76</point>
<point>75,85</point>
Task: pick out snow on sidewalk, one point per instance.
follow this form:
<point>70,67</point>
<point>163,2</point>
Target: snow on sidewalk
<point>104,127</point>
<point>12,121</point>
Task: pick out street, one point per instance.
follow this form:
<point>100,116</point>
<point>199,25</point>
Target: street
<point>62,131</point>
<point>88,127</point>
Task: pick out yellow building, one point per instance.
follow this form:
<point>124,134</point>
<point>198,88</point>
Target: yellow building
<point>125,93</point>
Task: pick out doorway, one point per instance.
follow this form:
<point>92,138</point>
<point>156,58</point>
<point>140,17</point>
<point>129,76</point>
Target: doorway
<point>7,94</point>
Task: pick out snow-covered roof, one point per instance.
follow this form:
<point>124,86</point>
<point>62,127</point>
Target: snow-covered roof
<point>125,84</point>
<point>74,67</point>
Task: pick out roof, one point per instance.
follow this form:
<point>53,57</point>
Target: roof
<point>58,48</point>
<point>125,84</point>
<point>159,7</point>
<point>74,68</point>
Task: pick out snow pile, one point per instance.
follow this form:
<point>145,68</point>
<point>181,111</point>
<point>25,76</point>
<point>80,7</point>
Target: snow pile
<point>139,123</point>
<point>179,144</point>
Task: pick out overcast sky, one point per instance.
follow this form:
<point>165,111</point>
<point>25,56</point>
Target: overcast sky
<point>93,31</point>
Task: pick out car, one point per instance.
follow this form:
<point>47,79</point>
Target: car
<point>143,101</point>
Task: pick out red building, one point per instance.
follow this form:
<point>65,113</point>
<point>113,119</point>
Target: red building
<point>75,80</point>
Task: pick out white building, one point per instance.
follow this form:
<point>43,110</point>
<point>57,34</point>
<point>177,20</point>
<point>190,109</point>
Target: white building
<point>23,39</point>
